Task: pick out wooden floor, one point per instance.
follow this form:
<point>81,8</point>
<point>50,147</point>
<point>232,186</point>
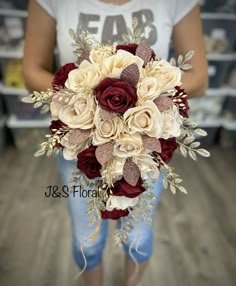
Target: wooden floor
<point>195,235</point>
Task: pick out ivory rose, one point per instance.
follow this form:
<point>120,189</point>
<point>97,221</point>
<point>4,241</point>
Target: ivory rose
<point>87,75</point>
<point>120,202</point>
<point>148,89</point>
<point>128,145</point>
<point>172,123</point>
<point>106,130</point>
<point>98,54</point>
<point>79,113</point>
<point>144,119</point>
<point>168,76</point>
<point>113,66</point>
<point>147,166</point>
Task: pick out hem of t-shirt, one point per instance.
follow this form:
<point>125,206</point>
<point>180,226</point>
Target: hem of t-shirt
<point>46,8</point>
<point>185,12</point>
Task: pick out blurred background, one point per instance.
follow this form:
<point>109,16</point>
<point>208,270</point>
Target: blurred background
<point>195,240</point>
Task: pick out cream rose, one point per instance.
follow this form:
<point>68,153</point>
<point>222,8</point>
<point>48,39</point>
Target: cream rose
<point>120,202</point>
<point>87,75</point>
<point>146,119</point>
<point>106,130</point>
<point>168,76</point>
<point>147,166</point>
<point>98,54</point>
<point>115,64</point>
<point>79,113</point>
<point>172,123</point>
<point>148,89</point>
<point>128,145</point>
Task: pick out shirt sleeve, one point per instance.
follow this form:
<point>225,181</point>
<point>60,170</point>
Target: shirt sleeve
<point>182,7</point>
<point>49,6</point>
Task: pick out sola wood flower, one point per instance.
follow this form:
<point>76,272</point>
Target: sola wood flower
<point>122,113</point>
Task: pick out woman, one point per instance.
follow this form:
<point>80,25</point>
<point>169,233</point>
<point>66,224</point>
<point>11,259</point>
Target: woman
<point>160,20</point>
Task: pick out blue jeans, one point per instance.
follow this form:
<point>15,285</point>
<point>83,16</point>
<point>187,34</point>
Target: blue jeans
<point>81,230</point>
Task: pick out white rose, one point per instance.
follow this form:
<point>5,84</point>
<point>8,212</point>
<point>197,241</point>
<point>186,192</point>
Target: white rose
<point>98,54</point>
<point>106,130</point>
<point>80,111</point>
<point>168,76</point>
<point>128,145</point>
<point>147,166</point>
<point>144,119</point>
<point>120,202</point>
<point>172,123</point>
<point>115,64</point>
<point>148,89</point>
<point>87,75</point>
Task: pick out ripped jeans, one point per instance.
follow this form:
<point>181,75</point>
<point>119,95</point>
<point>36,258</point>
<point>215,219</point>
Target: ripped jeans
<point>81,230</point>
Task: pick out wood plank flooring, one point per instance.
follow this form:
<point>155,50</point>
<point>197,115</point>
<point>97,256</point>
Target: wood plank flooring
<point>195,234</point>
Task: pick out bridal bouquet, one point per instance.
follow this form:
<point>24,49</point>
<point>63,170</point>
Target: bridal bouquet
<point>121,113</point>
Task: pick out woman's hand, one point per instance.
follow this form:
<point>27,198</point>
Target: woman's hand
<point>187,35</point>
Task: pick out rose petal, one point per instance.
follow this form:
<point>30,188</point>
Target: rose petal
<point>131,173</point>
<point>104,153</point>
<point>78,136</point>
<point>151,143</point>
<point>106,115</point>
<point>144,51</point>
<point>163,103</point>
<point>131,74</point>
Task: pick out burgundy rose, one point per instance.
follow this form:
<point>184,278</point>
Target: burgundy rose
<point>55,125</point>
<point>61,75</point>
<point>88,163</point>
<point>114,214</point>
<point>131,48</point>
<point>122,188</point>
<point>183,112</point>
<point>116,95</point>
<point>168,147</point>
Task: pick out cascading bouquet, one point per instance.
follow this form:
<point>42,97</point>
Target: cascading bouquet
<point>121,113</point>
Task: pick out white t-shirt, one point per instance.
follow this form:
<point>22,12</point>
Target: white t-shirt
<point>107,22</point>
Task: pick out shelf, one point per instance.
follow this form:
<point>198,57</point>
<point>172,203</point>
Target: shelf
<point>210,123</point>
<point>222,91</point>
<point>12,91</point>
<point>13,122</point>
<point>221,57</point>
<point>218,16</point>
<point>8,54</point>
<point>229,124</point>
<point>13,13</point>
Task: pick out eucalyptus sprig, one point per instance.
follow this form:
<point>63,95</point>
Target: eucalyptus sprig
<point>187,145</point>
<point>49,147</point>
<point>182,61</point>
<point>83,43</point>
<point>133,35</point>
<point>40,99</point>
